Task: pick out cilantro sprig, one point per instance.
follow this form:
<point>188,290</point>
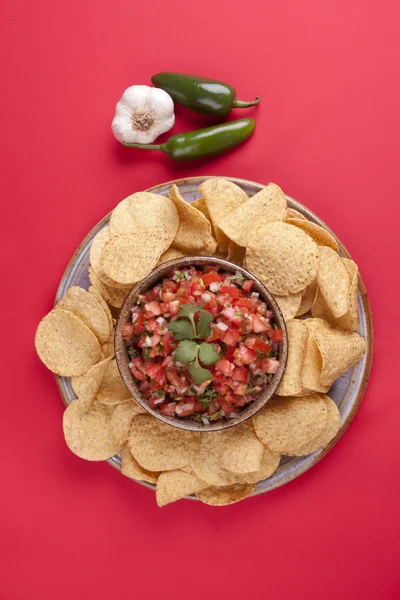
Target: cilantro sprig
<point>185,329</point>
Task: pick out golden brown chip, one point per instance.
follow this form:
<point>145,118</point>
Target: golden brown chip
<point>333,281</point>
<point>88,433</point>
<point>222,197</point>
<point>283,257</point>
<point>65,345</point>
<point>235,253</point>
<point>194,230</point>
<point>108,349</point>
<point>292,213</point>
<point>99,297</point>
<point>289,305</point>
<point>98,243</point>
<point>291,383</point>
<point>287,424</point>
<point>266,206</point>
<point>174,485</point>
<point>145,210</point>
<point>131,468</point>
<point>328,432</point>
<point>112,389</point>
<point>206,463</point>
<point>112,295</point>
<point>312,363</point>
<point>170,254</point>
<point>160,447</point>
<point>201,205</point>
<point>307,298</point>
<point>320,235</point>
<point>88,309</point>
<point>340,350</point>
<point>269,464</point>
<point>87,385</point>
<point>222,496</point>
<point>129,258</point>
<point>121,420</point>
<point>240,449</point>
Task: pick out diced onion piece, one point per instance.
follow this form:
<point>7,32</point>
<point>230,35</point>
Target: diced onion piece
<point>222,326</point>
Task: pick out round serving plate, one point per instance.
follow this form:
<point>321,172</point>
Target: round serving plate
<point>347,392</point>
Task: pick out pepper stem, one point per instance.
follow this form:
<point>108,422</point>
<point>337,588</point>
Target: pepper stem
<point>146,146</point>
<point>240,104</point>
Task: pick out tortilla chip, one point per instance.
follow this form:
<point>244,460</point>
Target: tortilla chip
<point>65,345</point>
<point>170,254</point>
<point>201,205</point>
<point>131,468</point>
<point>222,496</point>
<point>87,385</point>
<point>129,258</point>
<point>160,447</point>
<point>240,449</point>
<point>112,389</point>
<point>269,464</point>
<point>333,281</point>
<point>194,231</point>
<point>206,463</point>
<point>145,210</point>
<point>312,362</point>
<point>103,303</point>
<point>327,434</point>
<point>320,235</point>
<point>122,418</point>
<point>235,253</point>
<point>291,383</point>
<point>292,213</point>
<point>283,257</point>
<point>289,305</point>
<point>264,207</point>
<point>287,424</point>
<point>88,309</point>
<point>174,485</point>
<point>112,295</point>
<point>88,433</point>
<point>307,298</point>
<point>222,197</point>
<point>96,249</point>
<point>340,351</point>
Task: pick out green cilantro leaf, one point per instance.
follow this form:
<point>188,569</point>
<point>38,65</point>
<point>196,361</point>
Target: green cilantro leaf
<point>181,329</point>
<point>198,373</point>
<point>203,325</point>
<point>186,351</point>
<point>208,354</point>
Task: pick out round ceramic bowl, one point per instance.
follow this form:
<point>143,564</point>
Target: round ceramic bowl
<point>123,359</point>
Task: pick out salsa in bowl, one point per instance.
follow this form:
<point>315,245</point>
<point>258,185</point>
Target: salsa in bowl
<point>201,343</point>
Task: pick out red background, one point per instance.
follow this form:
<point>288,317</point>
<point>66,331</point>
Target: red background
<point>328,132</point>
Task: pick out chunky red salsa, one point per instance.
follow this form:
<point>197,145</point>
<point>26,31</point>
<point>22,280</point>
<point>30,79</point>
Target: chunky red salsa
<point>202,344</point>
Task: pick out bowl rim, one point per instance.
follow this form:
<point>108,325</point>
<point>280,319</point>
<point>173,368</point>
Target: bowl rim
<point>123,360</point>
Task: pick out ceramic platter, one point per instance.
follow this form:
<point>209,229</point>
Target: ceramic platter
<point>347,391</point>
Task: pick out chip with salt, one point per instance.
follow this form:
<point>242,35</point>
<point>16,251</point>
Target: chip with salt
<point>235,253</point>
<point>320,235</point>
<point>131,468</point>
<point>96,249</point>
<point>307,298</point>
<point>206,463</point>
<point>112,295</point>
<point>160,447</point>
<point>170,254</point>
<point>88,432</point>
<point>122,418</point>
<point>145,210</point>
<point>65,345</point>
<point>129,258</point>
<point>240,449</point>
<point>112,389</point>
<point>87,385</point>
<point>292,213</point>
<point>103,303</point>
<point>88,309</point>
<point>289,305</point>
<point>340,350</point>
<point>283,257</point>
<point>222,197</point>
<point>291,383</point>
<point>222,496</point>
<point>333,281</point>
<point>328,432</point>
<point>312,362</point>
<point>269,464</point>
<point>201,205</point>
<point>266,206</point>
<point>194,230</point>
<point>174,485</point>
<point>287,424</point>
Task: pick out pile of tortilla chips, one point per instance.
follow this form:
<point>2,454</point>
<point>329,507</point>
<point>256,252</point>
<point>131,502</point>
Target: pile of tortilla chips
<point>315,288</point>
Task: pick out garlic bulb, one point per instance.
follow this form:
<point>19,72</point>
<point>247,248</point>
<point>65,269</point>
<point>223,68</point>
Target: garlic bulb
<point>142,114</point>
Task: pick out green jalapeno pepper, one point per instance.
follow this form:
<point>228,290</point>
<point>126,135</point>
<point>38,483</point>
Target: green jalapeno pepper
<point>206,96</point>
<point>203,142</point>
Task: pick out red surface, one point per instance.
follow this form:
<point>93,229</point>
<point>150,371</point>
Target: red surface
<point>328,132</point>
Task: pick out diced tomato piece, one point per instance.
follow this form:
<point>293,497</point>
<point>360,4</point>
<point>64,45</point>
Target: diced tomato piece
<point>168,409</point>
<point>174,307</point>
<point>168,342</point>
<point>197,288</point>
<point>144,386</point>
<point>164,307</point>
<point>241,374</point>
<point>154,293</point>
<point>138,364</point>
<point>224,366</point>
<point>128,331</point>
<point>258,325</point>
<point>240,388</point>
<point>168,297</point>
<point>185,407</point>
<point>210,278</point>
<point>169,286</point>
<point>245,355</point>
<point>138,374</point>
<point>182,291</point>
<point>151,325</point>
<point>231,337</point>
<point>155,372</point>
<point>174,378</point>
<point>269,365</point>
<point>222,388</point>
<point>233,292</point>
<point>256,344</point>
<point>212,307</point>
<point>244,302</point>
<point>247,285</point>
<point>228,408</point>
<point>277,335</point>
<point>212,407</point>
<point>218,377</point>
<point>230,351</point>
<point>215,334</point>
